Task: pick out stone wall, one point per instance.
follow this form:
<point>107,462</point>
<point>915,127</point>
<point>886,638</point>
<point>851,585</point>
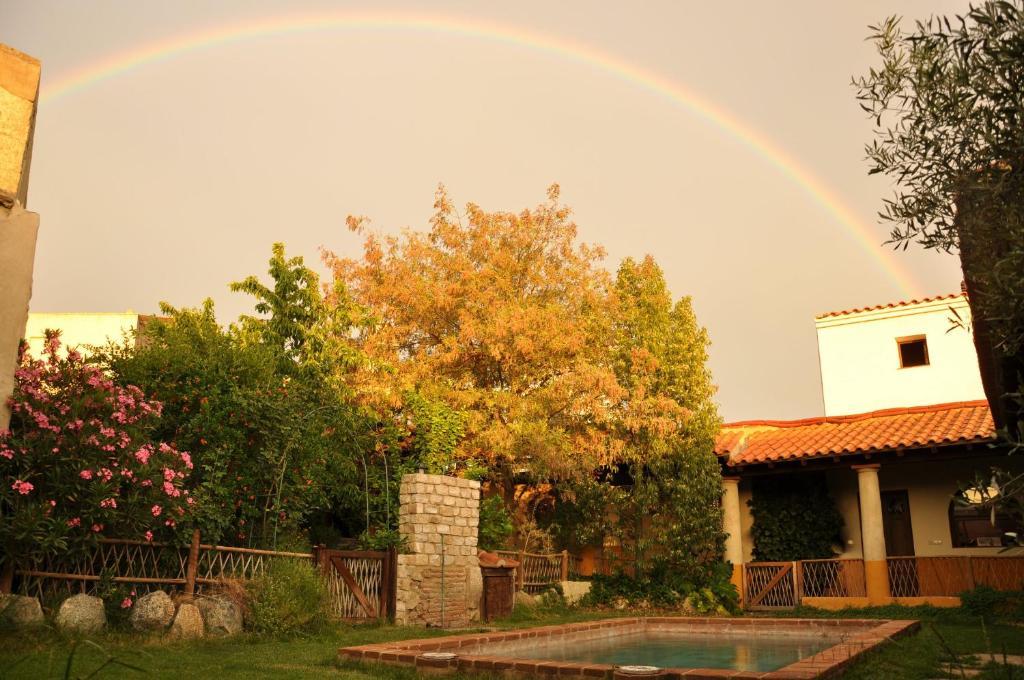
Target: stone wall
<point>439,513</point>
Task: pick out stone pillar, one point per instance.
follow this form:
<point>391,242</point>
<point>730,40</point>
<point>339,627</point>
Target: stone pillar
<point>733,529</point>
<point>439,514</point>
<point>876,572</point>
<point>19,90</point>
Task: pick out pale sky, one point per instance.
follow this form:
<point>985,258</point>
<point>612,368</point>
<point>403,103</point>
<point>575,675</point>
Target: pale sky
<point>167,179</point>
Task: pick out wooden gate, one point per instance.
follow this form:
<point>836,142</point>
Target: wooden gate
<point>361,582</point>
<point>771,585</point>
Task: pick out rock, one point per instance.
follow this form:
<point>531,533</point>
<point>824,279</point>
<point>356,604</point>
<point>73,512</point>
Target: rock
<point>620,603</point>
<point>524,599</point>
<point>152,611</point>
<point>19,611</point>
<point>188,623</point>
<point>221,616</point>
<point>574,591</point>
<point>82,614</point>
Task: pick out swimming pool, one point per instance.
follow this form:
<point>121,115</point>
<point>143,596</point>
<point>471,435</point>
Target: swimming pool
<point>666,647</point>
<point>675,650</point>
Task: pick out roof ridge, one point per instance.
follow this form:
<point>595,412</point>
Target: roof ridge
<point>891,305</point>
<point>854,417</point>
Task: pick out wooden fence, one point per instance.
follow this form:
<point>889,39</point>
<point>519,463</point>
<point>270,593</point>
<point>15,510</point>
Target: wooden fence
<point>362,583</point>
<point>353,578</point>
<point>949,576</point>
<point>783,585</point>
<point>538,572</point>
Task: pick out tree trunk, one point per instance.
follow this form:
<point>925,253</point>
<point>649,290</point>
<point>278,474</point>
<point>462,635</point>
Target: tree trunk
<point>983,242</point>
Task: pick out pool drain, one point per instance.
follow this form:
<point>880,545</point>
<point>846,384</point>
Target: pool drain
<point>638,670</point>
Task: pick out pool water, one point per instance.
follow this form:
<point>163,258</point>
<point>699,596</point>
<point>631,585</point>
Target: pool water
<point>681,650</point>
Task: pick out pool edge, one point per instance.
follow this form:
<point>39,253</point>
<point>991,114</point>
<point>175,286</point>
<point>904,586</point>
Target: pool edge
<point>870,635</point>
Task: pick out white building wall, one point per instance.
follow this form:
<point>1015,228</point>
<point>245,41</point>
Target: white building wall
<point>78,329</point>
<point>860,362</point>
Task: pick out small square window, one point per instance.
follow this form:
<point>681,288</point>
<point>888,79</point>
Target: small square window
<point>913,351</point>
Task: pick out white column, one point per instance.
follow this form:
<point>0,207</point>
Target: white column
<point>731,520</point>
<point>733,529</point>
<point>876,572</point>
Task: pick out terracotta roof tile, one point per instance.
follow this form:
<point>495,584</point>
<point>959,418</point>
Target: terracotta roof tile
<point>890,305</point>
<point>763,441</point>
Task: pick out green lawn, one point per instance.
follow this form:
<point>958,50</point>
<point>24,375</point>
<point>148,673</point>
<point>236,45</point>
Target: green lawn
<point>45,655</point>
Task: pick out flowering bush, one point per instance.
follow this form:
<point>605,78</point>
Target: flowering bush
<point>78,462</point>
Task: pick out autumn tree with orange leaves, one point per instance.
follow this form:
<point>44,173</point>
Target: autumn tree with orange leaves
<point>503,317</point>
<point>506,335</point>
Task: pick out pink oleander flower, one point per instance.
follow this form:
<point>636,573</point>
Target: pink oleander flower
<point>85,474</point>
<point>169,523</point>
<point>108,503</point>
<point>156,510</point>
<point>97,528</point>
<point>75,522</point>
<point>6,453</point>
<point>126,603</point>
<point>22,487</point>
<point>143,454</point>
<point>190,500</point>
<point>147,482</point>
<point>149,537</point>
<point>186,458</point>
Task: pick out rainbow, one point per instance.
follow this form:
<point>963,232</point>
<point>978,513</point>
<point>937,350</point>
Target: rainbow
<point>706,110</point>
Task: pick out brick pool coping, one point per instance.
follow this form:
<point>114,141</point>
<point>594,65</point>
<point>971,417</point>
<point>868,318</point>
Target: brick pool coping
<point>865,635</point>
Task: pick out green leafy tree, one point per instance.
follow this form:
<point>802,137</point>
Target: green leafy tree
<point>664,494</point>
<point>948,104</point>
<point>297,318</point>
<point>262,405</point>
<point>661,360</point>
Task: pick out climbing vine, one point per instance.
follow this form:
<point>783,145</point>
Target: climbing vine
<point>795,518</point>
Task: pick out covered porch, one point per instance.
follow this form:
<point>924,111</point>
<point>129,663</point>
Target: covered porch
<point>893,478</point>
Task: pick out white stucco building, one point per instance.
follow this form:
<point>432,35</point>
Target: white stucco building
<point>81,329</point>
<point>897,355</point>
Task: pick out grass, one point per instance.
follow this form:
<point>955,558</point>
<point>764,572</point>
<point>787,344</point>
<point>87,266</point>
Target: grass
<point>946,635</point>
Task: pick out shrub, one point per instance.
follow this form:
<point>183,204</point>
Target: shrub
<point>714,595</point>
<point>495,524</point>
<point>289,598</point>
<point>118,599</point>
<point>992,604</point>
<point>80,461</point>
